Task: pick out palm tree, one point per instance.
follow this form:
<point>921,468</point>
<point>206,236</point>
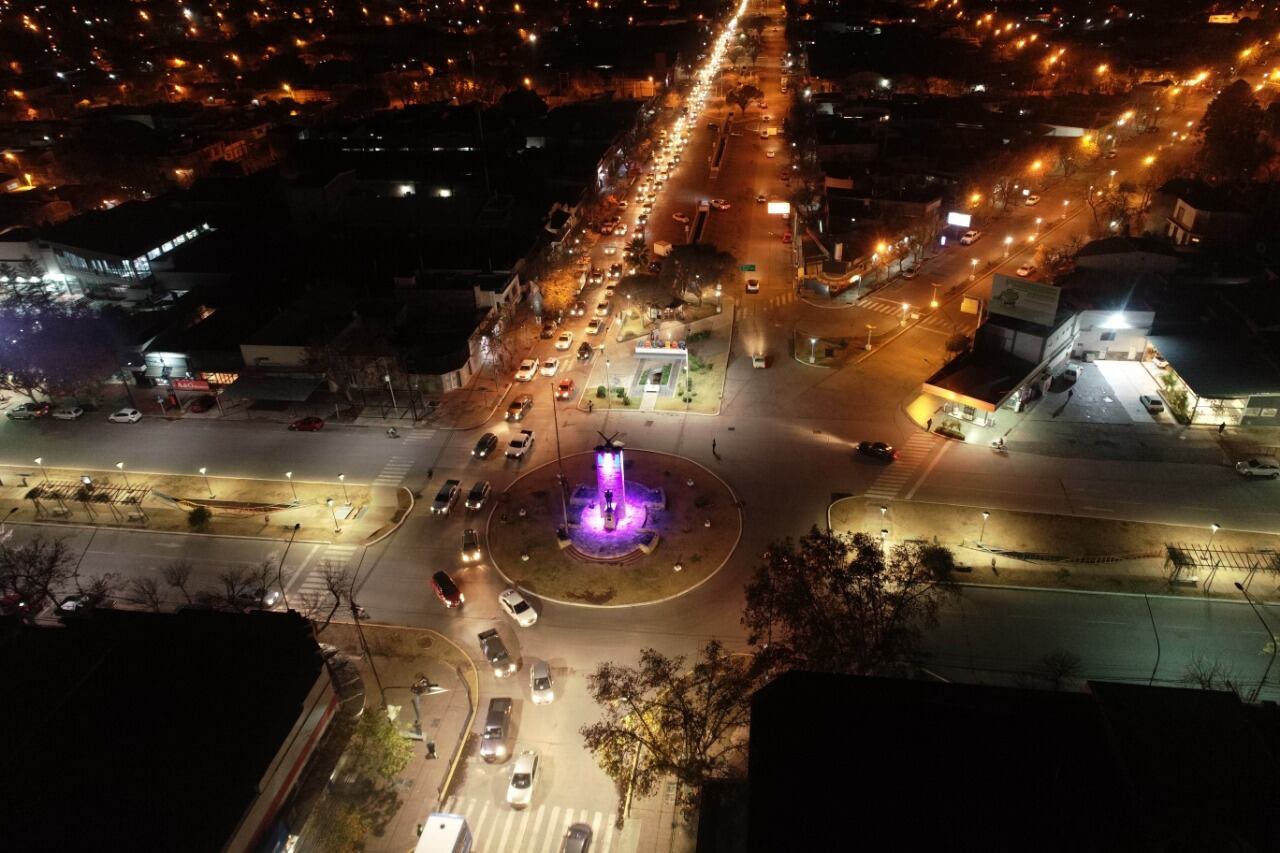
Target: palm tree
<point>637,252</point>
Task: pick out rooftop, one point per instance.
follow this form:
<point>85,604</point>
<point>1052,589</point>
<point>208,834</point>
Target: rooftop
<point>1126,245</point>
<point>981,379</point>
<point>127,231</point>
<point>1219,366</point>
<point>1200,195</point>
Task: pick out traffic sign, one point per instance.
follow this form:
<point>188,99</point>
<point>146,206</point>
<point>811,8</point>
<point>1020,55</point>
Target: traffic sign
<point>747,268</point>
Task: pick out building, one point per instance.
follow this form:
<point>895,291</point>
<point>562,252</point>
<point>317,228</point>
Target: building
<point>158,731</point>
<point>1203,216</point>
<point>1132,254</point>
<point>1113,318</point>
<point>874,764</point>
<point>1227,378</point>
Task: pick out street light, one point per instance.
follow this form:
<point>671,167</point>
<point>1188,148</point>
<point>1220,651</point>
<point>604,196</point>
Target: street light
<point>39,460</point>
<point>983,531</point>
<point>204,472</point>
<point>933,301</point>
<point>337,528</point>
<point>813,349</point>
<point>288,475</point>
<point>870,328</point>
<point>120,468</point>
<point>973,269</point>
<point>1038,221</point>
<point>386,377</point>
<point>342,478</point>
<point>906,306</point>
<point>1213,531</point>
<point>1274,640</point>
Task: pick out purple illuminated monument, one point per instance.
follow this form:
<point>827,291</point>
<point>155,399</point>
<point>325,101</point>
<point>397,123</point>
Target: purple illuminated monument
<point>611,485</point>
<point>614,517</point>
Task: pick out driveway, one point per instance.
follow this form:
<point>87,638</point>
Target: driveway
<point>1129,380</point>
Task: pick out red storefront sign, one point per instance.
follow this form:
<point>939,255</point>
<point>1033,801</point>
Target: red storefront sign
<point>190,385</point>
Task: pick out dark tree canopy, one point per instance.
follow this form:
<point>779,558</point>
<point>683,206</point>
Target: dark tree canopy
<point>839,603</point>
<point>51,349</point>
<point>1232,127</point>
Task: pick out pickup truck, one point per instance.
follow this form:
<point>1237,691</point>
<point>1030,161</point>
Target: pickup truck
<point>446,497</point>
<point>520,444</point>
<point>495,652</point>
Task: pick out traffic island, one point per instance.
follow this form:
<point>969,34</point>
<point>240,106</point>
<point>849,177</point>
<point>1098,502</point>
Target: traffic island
<point>220,506</point>
<point>1003,547</point>
<point>660,526</point>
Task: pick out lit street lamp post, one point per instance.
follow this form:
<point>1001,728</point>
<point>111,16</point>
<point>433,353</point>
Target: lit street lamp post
<point>933,301</point>
<point>813,350</point>
<point>973,269</point>
<point>288,475</point>
<point>870,328</point>
<point>342,478</point>
<point>337,528</point>
<point>204,472</point>
<point>983,531</point>
<point>39,460</point>
<point>1213,531</point>
<point>120,468</point>
<point>1272,639</point>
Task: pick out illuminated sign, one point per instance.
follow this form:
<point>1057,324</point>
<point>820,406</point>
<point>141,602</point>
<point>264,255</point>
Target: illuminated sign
<point>779,208</point>
<point>960,220</point>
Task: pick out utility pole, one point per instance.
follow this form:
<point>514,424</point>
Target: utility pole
<point>555,420</point>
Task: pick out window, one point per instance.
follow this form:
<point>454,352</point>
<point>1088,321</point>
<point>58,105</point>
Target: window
<point>1107,336</point>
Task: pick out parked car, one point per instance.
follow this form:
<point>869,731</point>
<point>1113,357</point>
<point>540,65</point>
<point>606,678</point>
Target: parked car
<point>1031,200</point>
<point>446,590</point>
<point>479,495</point>
<point>202,404</point>
<point>1153,405</point>
<point>495,652</point>
<point>524,775</point>
<point>446,497</point>
<point>519,407</point>
<point>470,551</point>
<point>1026,269</point>
<point>519,446</point>
<point>125,416</point>
<point>585,350</point>
<point>71,413</point>
<point>307,425</point>
<point>970,237</point>
<point>1259,467</point>
<point>497,723</point>
<point>565,389</point>
<point>550,366</point>
<point>527,370</point>
<point>681,217</point>
<point>27,411</point>
<point>485,446</point>
<point>515,606</point>
<point>540,687</point>
<point>877,450</point>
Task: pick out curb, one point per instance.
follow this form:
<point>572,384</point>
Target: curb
<point>737,540</point>
<point>141,473</point>
<point>369,543</point>
<point>1054,589</point>
<point>462,741</point>
<point>92,527</point>
<point>486,418</point>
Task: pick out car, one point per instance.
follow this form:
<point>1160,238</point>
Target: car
<point>548,331</point>
<point>550,366</point>
<point>585,351</point>
<point>1026,269</point>
<point>1267,467</point>
<point>540,687</point>
<point>478,495</point>
<point>681,217</point>
<point>771,153</point>
<point>27,411</point>
<point>565,340</point>
<point>470,551</point>
<point>1160,362</point>
<point>1153,405</point>
<point>909,272</point>
<point>610,249</point>
<point>446,497</point>
<point>764,134</point>
<point>621,230</point>
<point>485,446</point>
<point>446,590</point>
<point>519,407</point>
<point>603,309</point>
<point>515,606</point>
<point>642,220</point>
<point>970,237</point>
<point>81,604</point>
<point>1031,200</point>
<point>565,389</point>
<point>711,125</point>
<point>1070,373</point>
<point>615,271</point>
<point>877,450</point>
<point>719,204</point>
<point>524,775</point>
<point>519,446</point>
<point>307,425</point>
<point>621,203</point>
<point>495,652</point>
<point>596,276</point>
<point>595,327</point>
<point>497,722</point>
<point>578,309</point>
<point>759,362</point>
<point>261,599</point>
<point>753,285</point>
<point>125,416</point>
<point>68,414</point>
<point>786,236</point>
<point>527,370</point>
<point>761,198</point>
<point>202,403</point>
<point>1111,154</point>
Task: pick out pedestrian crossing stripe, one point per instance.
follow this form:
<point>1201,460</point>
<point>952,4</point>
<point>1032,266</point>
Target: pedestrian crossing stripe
<point>497,828</point>
<point>894,477</point>
<point>394,471</point>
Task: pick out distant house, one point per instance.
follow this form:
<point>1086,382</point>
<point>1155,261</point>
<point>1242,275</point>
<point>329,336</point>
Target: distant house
<point>1203,216</point>
<point>1132,254</point>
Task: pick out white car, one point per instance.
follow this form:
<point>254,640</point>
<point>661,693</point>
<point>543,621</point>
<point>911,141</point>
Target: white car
<point>1153,405</point>
<point>970,237</point>
<point>125,416</point>
<point>565,340</point>
<point>595,327</point>
<point>1026,269</point>
<point>1031,200</point>
<point>524,775</point>
<point>681,217</point>
<point>68,414</point>
<point>550,366</point>
<point>517,608</point>
<point>528,369</point>
<point>540,686</point>
<point>761,198</point>
<point>753,285</point>
<point>771,153</point>
<point>610,249</point>
<point>719,204</point>
<point>620,230</point>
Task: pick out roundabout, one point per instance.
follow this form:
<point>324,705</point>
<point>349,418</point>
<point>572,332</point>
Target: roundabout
<point>618,528</point>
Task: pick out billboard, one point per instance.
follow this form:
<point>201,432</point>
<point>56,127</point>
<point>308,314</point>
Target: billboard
<point>960,220</point>
<point>779,208</point>
<point>1023,300</point>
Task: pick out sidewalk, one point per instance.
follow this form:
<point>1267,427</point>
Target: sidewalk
<point>163,503</point>
<point>1073,552</point>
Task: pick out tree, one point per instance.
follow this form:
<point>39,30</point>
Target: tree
<point>662,719</point>
<point>339,826</point>
<point>1231,128</point>
<point>1211,674</point>
<point>839,603</point>
<point>198,518</point>
<point>743,96</point>
<point>1060,666</point>
<point>378,752</point>
<point>52,350</point>
<point>37,571</point>
<point>690,266</point>
<point>147,591</point>
<point>637,252</point>
<point>178,575</point>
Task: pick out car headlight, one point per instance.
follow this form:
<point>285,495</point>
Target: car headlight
<point>500,751</point>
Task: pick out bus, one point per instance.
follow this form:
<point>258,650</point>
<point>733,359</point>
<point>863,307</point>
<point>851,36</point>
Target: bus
<point>445,833</point>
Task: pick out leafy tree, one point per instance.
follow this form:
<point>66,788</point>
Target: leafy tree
<point>339,826</point>
<point>378,752</point>
<point>637,252</point>
<point>840,603</point>
<point>53,350</point>
<point>662,719</point>
<point>743,96</point>
<point>1231,127</point>
<point>199,517</point>
<point>691,266</point>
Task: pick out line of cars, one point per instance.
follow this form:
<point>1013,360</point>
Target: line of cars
<point>34,411</point>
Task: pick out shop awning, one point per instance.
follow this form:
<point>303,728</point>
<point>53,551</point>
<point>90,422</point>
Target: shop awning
<point>293,389</point>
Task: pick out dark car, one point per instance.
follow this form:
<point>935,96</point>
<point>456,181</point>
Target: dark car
<point>485,446</point>
<point>202,404</point>
<point>446,590</point>
<point>577,839</point>
<point>548,331</point>
<point>585,350</point>
<point>878,450</point>
<point>307,425</point>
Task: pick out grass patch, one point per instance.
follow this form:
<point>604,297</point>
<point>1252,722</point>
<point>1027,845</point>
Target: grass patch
<point>707,385</point>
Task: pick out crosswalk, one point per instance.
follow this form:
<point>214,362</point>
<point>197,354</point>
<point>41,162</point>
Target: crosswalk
<point>393,473</point>
<point>418,436</point>
<point>938,320</point>
<point>752,305</point>
<point>895,476</point>
<point>313,582</point>
<point>497,828</point>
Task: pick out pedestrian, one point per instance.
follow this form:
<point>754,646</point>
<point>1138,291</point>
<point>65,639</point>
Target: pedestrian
<point>430,473</point>
<point>713,447</point>
<point>1222,427</point>
<point>1071,393</point>
<point>431,749</point>
<point>928,425</point>
<point>591,406</point>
